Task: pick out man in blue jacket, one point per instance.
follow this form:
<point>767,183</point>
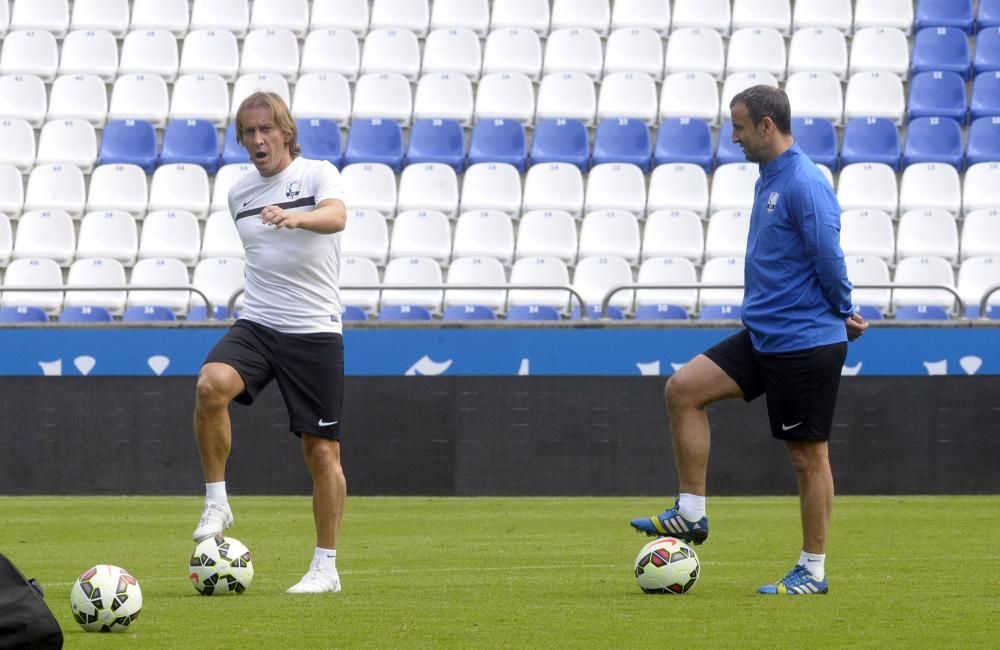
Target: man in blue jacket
<point>798,319</point>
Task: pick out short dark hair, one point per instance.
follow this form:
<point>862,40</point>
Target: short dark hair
<point>766,101</point>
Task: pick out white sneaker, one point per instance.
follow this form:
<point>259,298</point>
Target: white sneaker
<point>214,519</point>
<point>316,582</point>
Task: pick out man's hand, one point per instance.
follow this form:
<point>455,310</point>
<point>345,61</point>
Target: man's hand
<point>277,218</point>
<point>856,326</point>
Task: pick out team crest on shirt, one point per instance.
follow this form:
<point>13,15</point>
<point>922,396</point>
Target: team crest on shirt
<point>292,189</point>
<point>772,201</point>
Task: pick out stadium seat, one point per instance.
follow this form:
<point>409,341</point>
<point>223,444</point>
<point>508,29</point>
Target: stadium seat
<point>513,51</point>
<point>818,49</point>
<point>493,186</point>
<point>219,278</point>
<point>23,97</point>
<point>94,15</point>
<point>875,94</point>
<point>930,185</point>
<point>884,13</point>
<point>148,313</point>
<point>547,233</point>
<point>538,271</point>
<point>151,51</point>
<point>484,233</point>
<point>33,272</point>
<point>394,51</point>
<point>926,233</point>
<point>505,96</point>
<point>921,312</point>
<point>210,51</point>
<point>665,271</point>
<point>29,51</point>
<point>632,14</point>
<point>79,96</point>
<point>17,144</point>
<point>975,277</point>
<point>233,152</point>
<point>823,13</point>
<point>727,151</point>
<point>924,270</point>
<point>818,139</point>
<point>585,14</point>
<point>616,186</point>
<point>554,186</point>
<point>941,48</point>
<point>673,233</point>
<point>429,186</point>
<point>11,190</point>
<point>346,14</point>
<point>292,15</point>
<point>867,232</point>
<point>437,141</point>
<point>94,271</point>
<point>322,95</point>
<point>937,94</point>
<point>131,142</point>
<point>661,311</point>
<point>756,49</point>
<point>444,95</point>
<point>573,50</point>
<point>366,235</point>
<point>110,234</point>
<point>880,49</point>
<point>171,233</point>
<point>467,312</point>
<point>733,186</point>
<point>710,14</point>
<point>610,233</point>
<point>45,233</point>
<point>90,51</point>
<point>627,94</point>
<point>421,233</point>
<point>273,50</point>
<point>568,95</point>
<point>404,313</point>
<point>247,84</point>
<point>320,140</point>
<point>498,140</point>
<point>988,14</point>
<point>171,15</point>
<point>678,186</point>
<point>817,95</point>
<point>987,57</point>
<point>722,270</point>
<point>192,142</point>
<point>6,240</point>
<point>527,14</point>
<point>221,238</point>
<point>768,15</point>
<point>481,271</point>
<point>561,140</point>
<point>726,234</point>
<point>690,94</point>
<point>981,234</point>
<point>352,313</point>
<point>375,140</point>
<point>532,313</point>
<point>139,97</point>
<point>632,50</point>
<point>416,271</point>
<point>453,50</point>
<point>180,187</point>
<point>695,50</point>
<point>944,13</point>
<point>56,187</point>
<point>331,50</point>
<point>413,15</point>
<point>370,186</point>
<point>22,314</point>
<point>868,186</point>
<point>984,141</point>
<point>871,140</point>
<point>622,140</point>
<point>593,277</point>
<point>359,271</point>
<point>229,15</point>
<point>384,95</point>
<point>200,97</point>
<point>118,187</point>
<point>473,15</point>
<point>932,139</point>
<point>738,82</point>
<point>684,140</point>
<point>159,272</point>
<point>979,187</point>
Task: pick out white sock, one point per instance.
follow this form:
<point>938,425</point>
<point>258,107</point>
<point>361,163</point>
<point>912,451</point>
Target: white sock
<point>815,563</point>
<point>324,559</point>
<point>691,506</point>
<point>216,493</point>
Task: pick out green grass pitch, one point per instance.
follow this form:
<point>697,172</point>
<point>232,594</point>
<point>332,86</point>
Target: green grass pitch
<point>916,572</point>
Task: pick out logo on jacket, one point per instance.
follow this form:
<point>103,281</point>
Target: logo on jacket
<point>292,189</point>
<point>772,201</point>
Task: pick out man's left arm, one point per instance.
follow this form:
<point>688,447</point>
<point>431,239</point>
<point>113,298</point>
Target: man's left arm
<point>328,217</point>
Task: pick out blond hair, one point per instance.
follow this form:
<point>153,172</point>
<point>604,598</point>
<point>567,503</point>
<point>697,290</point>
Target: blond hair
<point>282,117</point>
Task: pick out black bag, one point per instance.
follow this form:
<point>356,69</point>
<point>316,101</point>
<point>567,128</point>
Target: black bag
<point>25,619</point>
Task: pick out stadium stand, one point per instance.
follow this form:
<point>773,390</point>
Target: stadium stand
<point>870,139</point>
<point>937,94</point>
<point>476,270</point>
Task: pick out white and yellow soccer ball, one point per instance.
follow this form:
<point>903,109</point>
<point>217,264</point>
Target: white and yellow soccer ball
<point>221,565</point>
<point>105,598</point>
<point>666,566</point>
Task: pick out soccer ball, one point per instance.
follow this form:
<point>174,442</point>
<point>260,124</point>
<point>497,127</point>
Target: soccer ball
<point>221,565</point>
<point>666,566</point>
<point>105,598</point>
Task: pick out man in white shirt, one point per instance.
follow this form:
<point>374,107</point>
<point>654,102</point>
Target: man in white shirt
<point>289,214</point>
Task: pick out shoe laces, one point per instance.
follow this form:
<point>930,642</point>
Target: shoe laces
<point>798,576</point>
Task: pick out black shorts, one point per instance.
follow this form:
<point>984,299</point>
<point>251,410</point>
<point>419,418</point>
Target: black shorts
<point>801,386</point>
<point>309,369</point>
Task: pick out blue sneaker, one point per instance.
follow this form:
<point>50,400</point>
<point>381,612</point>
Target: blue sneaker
<point>798,582</point>
<point>670,523</point>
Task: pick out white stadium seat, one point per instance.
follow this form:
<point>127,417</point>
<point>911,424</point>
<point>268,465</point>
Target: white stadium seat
<point>413,15</point>
<point>109,234</point>
<point>229,15</point>
<point>4,18</point>
<point>89,51</point>
<point>504,95</point>
<point>386,95</point>
<point>774,14</point>
<point>55,187</point>
<point>928,233</point>
<point>547,233</point>
<point>273,50</point>
<point>221,238</point>
<point>219,278</point>
<point>476,270</point>
<point>574,50</point>
<point>23,97</point>
<point>68,142</point>
<point>673,234</point>
<point>93,15</point>
<point>628,94</point>
<point>710,14</point>
<point>569,95</point>
<point>733,186</point>
<point>690,94</point>
<point>6,240</point>
<point>667,271</point>
<point>17,144</point>
<point>635,49</point>
<point>359,271</point>
<point>516,50</point>
<point>366,235</point>
<point>225,178</point>
<point>45,233</point>
<point>756,49</point>
<point>11,190</point>
<point>160,272</point>
<point>322,95</point>
<point>421,233</point>
<point>823,13</point>
<point>593,277</point>
<point>616,186</point>
<point>818,49</point>
<point>429,186</point>
<point>654,14</point>
<point>539,271</point>
<point>976,276</point>
<point>726,235</point>
<point>370,186</point>
<point>484,233</point>
<point>612,233</point>
<point>554,186</point>
<point>171,15</point>
<point>868,186</point>
<point>391,50</point>
<point>875,94</point>
<point>884,13</point>
<point>867,232</point>
<point>582,14</point>
<point>94,272</point>
<point>210,51</point>
<point>171,233</point>
<point>981,233</point>
<point>149,51</point>
<point>200,96</point>
<point>33,272</point>
<point>417,271</point>
<point>30,52</point>
<point>979,189</point>
<point>695,49</point>
<point>178,186</point>
<point>924,270</point>
<point>444,95</point>
<point>884,49</point>
<point>722,270</point>
<point>337,14</point>
<point>492,186</point>
<point>118,187</point>
<point>529,14</point>
<point>930,185</point>
<point>333,50</point>
<point>140,97</point>
<point>678,186</point>
<point>868,269</point>
<point>461,14</point>
<point>816,95</point>
<point>292,15</point>
<point>41,15</point>
<point>247,84</point>
<point>454,50</point>
<point>79,96</point>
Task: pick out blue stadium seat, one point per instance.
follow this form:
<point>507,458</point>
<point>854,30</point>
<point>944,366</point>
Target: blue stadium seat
<point>684,140</point>
<point>941,48</point>
<point>622,140</point>
<point>320,140</point>
<point>661,312</point>
<point>987,56</point>
<point>720,312</point>
<point>870,139</point>
<point>985,99</point>
<point>437,141</point>
<point>22,315</point>
<point>594,312</point>
<point>932,139</point>
<point>817,138</point>
<point>232,151</point>
<point>200,312</point>
<point>921,312</point>
<point>992,311</point>
<point>984,141</point>
<point>728,151</point>
<point>374,140</point>
<point>532,312</point>
<point>937,94</point>
<point>989,14</point>
<point>468,312</point>
<point>869,312</point>
<point>129,142</point>
<point>352,313</point>
<point>499,141</point>
<point>944,13</point>
<point>193,142</point>
<point>561,140</point>
<point>85,315</point>
<point>148,313</point>
<point>404,312</point>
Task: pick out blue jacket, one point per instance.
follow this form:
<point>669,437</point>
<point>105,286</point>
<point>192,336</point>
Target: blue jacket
<point>796,293</point>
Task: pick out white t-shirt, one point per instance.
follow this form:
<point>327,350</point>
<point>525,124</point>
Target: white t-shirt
<point>292,275</point>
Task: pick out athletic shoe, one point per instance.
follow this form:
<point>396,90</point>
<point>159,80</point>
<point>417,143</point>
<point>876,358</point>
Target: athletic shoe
<point>670,523</point>
<point>798,582</point>
<point>214,519</point>
<point>316,582</point>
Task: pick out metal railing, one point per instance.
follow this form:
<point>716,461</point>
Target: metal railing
<point>45,288</point>
<point>986,296</point>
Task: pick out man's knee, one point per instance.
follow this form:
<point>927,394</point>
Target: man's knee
<point>322,454</point>
<point>680,392</point>
<point>217,385</point>
<point>808,456</point>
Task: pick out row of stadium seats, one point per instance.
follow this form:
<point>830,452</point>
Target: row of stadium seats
<point>178,16</point>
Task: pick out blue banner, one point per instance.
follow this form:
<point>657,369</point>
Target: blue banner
<point>484,351</point>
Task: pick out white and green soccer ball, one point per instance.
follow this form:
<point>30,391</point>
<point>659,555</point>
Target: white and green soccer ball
<point>221,565</point>
<point>105,598</point>
<point>666,566</point>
